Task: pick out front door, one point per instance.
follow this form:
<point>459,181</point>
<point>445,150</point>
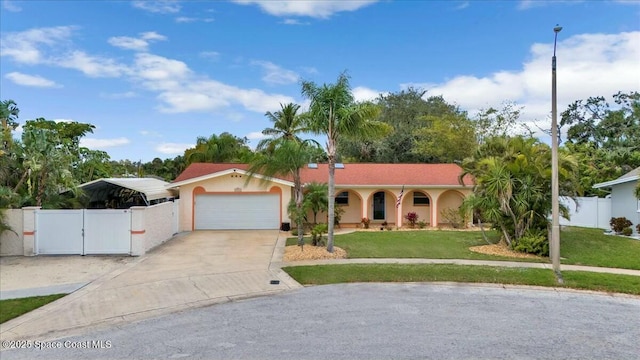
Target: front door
<point>378,206</point>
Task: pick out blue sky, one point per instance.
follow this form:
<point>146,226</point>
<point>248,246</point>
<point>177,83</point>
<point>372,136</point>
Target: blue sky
<point>152,76</point>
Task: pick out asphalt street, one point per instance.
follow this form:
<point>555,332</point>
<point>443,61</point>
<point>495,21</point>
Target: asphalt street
<point>374,321</point>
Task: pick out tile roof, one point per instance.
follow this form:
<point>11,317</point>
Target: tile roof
<point>356,174</point>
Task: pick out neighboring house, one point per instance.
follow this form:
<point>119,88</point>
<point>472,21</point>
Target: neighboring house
<point>218,196</point>
<point>623,201</point>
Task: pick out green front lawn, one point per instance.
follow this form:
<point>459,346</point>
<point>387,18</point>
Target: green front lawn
<point>579,246</point>
<point>13,308</point>
<point>332,274</point>
<point>432,244</point>
<point>584,246</point>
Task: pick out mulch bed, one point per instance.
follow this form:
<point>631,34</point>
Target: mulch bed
<point>296,253</point>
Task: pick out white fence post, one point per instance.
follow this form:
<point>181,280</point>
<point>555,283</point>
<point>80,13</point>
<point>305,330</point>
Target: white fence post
<point>29,230</point>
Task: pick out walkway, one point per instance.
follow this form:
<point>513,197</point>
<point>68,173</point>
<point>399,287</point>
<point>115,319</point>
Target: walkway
<point>514,264</point>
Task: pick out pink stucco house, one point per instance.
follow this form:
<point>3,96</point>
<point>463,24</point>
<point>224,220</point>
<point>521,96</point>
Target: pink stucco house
<point>218,196</point>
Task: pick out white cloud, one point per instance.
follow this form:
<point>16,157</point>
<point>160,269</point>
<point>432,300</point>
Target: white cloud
<point>150,133</point>
<point>158,6</point>
<point>25,47</point>
<point>124,95</point>
<point>172,148</point>
<point>126,42</point>
<point>186,19</point>
<point>213,55</point>
<point>255,135</point>
<point>315,9</point>
<point>462,5</point>
<point>92,66</point>
<point>136,44</point>
<point>587,65</point>
<point>30,80</point>
<point>274,74</point>
<point>93,143</point>
<point>10,6</point>
<point>293,22</point>
<point>361,93</point>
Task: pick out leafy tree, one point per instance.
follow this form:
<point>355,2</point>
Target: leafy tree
<point>219,149</point>
<point>92,165</point>
<point>409,115</point>
<point>445,139</point>
<point>502,122</point>
<point>512,181</point>
<point>334,113</point>
<point>46,166</point>
<point>9,120</point>
<point>606,139</point>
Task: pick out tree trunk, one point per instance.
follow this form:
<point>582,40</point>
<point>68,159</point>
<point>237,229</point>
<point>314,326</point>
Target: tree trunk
<point>298,199</point>
<point>331,150</point>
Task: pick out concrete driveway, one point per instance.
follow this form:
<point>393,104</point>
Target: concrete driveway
<point>194,269</point>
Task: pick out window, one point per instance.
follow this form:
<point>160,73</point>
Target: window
<point>420,199</point>
<point>342,198</point>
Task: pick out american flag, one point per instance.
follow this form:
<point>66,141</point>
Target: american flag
<point>400,197</point>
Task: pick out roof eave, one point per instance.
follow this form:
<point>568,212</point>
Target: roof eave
<point>226,172</point>
<point>616,182</point>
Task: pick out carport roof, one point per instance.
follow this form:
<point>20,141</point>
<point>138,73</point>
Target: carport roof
<point>152,189</point>
<point>354,174</point>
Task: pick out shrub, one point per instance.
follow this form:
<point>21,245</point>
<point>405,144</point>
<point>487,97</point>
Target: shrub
<point>365,222</point>
<point>627,231</point>
<point>619,224</point>
<point>532,243</point>
<point>383,225</point>
<point>412,218</point>
<point>638,228</point>
<point>316,234</point>
<point>422,224</point>
<point>454,217</point>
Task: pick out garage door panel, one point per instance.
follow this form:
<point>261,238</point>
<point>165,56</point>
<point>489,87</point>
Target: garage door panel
<point>237,211</point>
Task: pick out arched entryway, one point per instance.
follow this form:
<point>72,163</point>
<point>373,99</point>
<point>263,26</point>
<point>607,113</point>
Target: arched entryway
<point>450,199</point>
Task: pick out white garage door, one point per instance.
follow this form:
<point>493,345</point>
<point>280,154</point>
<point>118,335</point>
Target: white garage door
<point>237,211</point>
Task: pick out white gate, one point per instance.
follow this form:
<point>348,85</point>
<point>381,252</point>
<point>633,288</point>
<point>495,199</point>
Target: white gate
<point>107,231</point>
<point>62,232</point>
<point>59,232</point>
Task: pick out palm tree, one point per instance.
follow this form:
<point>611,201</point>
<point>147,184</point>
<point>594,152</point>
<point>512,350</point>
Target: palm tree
<point>334,113</point>
<point>315,199</point>
<point>285,157</point>
<point>287,124</point>
<point>512,181</point>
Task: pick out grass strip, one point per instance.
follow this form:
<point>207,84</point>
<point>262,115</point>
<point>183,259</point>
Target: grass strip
<point>333,274</point>
<point>12,308</point>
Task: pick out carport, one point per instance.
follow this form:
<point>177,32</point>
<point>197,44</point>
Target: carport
<point>123,193</point>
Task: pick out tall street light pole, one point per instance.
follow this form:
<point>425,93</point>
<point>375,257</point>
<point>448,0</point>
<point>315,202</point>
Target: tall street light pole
<point>555,206</point>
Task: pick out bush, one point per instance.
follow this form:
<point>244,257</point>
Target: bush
<point>638,228</point>
<point>316,234</point>
<point>627,231</point>
<point>454,217</point>
<point>619,224</point>
<point>412,218</point>
<point>533,244</point>
<point>422,224</point>
<point>365,222</point>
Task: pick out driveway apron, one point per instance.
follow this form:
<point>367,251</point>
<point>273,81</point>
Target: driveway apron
<point>191,270</point>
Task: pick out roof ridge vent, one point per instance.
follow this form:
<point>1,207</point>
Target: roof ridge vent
<point>339,165</point>
<point>312,166</point>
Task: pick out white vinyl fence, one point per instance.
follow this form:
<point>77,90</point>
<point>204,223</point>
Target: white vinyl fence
<point>591,212</point>
<point>131,231</point>
<point>83,232</point>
